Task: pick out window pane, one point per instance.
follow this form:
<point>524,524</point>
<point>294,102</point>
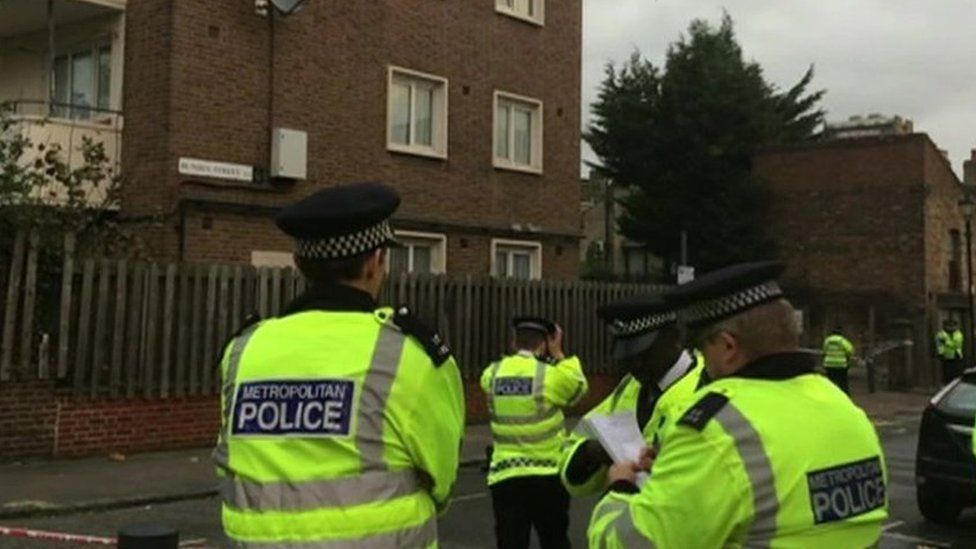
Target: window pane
<point>61,87</point>
<point>501,264</point>
<point>422,259</point>
<point>424,118</point>
<point>523,136</point>
<point>82,85</point>
<point>398,260</point>
<point>501,131</point>
<point>400,115</point>
<point>521,266</point>
<point>104,77</point>
<point>530,7</point>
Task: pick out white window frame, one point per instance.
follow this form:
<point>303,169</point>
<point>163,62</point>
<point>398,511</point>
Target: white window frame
<point>439,114</point>
<point>511,9</point>
<point>94,111</point>
<point>533,247</point>
<point>535,164</point>
<point>438,255</point>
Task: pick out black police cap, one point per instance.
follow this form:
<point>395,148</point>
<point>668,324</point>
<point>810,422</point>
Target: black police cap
<point>727,292</point>
<point>536,323</point>
<point>341,221</point>
<point>636,321</point>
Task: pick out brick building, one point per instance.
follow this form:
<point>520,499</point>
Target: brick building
<point>471,109</point>
<point>871,223</point>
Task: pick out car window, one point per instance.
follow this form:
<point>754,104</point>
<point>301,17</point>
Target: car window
<point>961,399</point>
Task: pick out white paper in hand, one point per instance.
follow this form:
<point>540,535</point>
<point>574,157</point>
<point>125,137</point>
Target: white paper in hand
<point>619,435</point>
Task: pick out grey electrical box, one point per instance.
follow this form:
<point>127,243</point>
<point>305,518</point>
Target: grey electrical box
<point>289,153</point>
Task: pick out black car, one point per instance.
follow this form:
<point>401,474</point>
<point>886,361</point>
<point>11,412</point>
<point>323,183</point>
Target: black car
<point>945,467</point>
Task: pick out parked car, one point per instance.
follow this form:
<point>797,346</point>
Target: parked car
<point>945,466</point>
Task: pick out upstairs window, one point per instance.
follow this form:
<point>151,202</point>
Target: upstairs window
<point>532,11</point>
<point>518,133</point>
<point>417,113</point>
<point>82,82</point>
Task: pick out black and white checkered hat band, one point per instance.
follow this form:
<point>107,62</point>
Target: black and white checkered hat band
<point>626,328</point>
<point>729,305</point>
<point>346,245</point>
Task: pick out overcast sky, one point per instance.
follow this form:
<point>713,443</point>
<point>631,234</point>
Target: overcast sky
<point>914,58</point>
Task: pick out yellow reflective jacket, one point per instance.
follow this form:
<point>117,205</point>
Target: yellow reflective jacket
<point>758,461</point>
<point>623,399</point>
<point>337,428</point>
<point>526,398</point>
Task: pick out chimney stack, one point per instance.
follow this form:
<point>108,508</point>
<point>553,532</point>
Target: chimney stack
<point>969,169</point>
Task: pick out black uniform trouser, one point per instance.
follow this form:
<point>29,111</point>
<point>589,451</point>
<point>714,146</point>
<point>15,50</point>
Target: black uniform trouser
<point>839,377</point>
<point>951,369</point>
<point>522,503</point>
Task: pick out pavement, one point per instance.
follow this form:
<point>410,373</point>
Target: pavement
<point>56,487</point>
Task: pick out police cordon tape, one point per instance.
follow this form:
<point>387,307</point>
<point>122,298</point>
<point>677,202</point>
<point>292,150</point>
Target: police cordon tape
<point>82,539</point>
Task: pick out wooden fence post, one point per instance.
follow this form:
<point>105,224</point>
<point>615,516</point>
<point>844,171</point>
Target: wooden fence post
<point>10,309</point>
<point>84,315</point>
<point>64,316</point>
<point>30,293</point>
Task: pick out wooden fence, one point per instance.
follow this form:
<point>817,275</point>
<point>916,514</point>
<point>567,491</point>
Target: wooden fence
<point>117,328</point>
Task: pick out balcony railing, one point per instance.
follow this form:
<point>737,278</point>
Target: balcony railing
<point>67,125</point>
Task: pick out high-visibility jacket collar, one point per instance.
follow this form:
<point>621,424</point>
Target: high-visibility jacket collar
<point>778,366</point>
<point>331,297</point>
<point>680,367</point>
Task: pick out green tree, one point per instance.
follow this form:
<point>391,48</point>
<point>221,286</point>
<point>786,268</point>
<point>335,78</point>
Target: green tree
<point>682,141</point>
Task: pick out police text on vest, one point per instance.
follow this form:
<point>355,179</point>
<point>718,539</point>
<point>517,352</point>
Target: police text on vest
<point>513,386</point>
<point>320,407</point>
<point>847,490</point>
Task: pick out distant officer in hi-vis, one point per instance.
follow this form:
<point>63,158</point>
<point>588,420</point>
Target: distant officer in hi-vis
<point>527,393</point>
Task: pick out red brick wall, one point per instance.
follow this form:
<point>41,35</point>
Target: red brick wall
<point>848,215</point>
<point>27,419</point>
<point>865,223</point>
<point>86,428</point>
<point>331,81</point>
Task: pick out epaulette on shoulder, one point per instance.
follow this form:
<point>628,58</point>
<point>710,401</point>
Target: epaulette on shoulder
<point>433,343</point>
<point>251,320</point>
<point>704,410</point>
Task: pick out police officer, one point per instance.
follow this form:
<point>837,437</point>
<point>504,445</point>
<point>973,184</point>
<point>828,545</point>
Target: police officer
<point>838,352</point>
<point>526,394</point>
<point>661,376</point>
<point>770,454</point>
<point>949,346</point>
<point>342,420</point>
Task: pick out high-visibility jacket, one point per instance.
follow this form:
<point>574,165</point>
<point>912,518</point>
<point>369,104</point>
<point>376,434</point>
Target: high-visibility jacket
<point>949,345</point>
<point>775,456</point>
<point>526,398</point>
<point>339,427</point>
<point>838,351</point>
<point>678,390</point>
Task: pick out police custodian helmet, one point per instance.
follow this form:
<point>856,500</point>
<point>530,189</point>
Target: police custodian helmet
<point>341,221</point>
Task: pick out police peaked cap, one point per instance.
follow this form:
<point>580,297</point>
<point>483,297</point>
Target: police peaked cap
<point>635,322</point>
<point>536,323</point>
<point>341,221</point>
<point>727,292</point>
